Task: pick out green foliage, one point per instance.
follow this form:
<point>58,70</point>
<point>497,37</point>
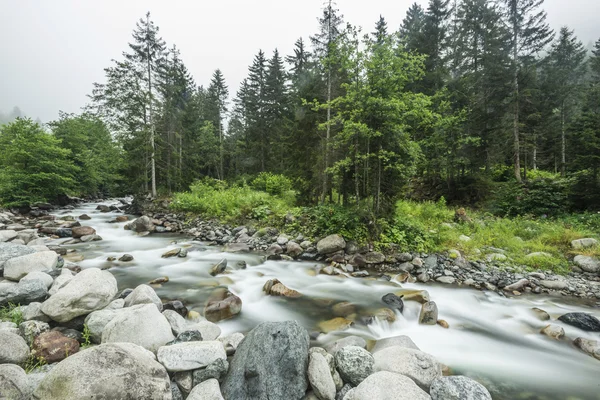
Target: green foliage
<point>274,184</point>
<point>350,222</point>
<point>215,199</point>
<point>541,197</point>
<point>92,150</point>
<point>429,227</point>
<point>34,362</point>
<point>11,313</point>
<point>86,334</point>
<point>34,166</point>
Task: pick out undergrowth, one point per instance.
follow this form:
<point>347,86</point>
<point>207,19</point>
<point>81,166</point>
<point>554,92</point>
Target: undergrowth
<point>12,313</point>
<point>424,226</point>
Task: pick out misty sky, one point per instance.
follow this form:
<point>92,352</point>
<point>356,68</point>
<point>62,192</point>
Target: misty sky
<point>53,50</point>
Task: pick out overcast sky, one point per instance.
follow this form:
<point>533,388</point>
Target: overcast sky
<point>51,51</point>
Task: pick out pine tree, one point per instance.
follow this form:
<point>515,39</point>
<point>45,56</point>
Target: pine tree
<point>325,48</point>
<point>564,73</point>
<point>529,35</point>
<point>255,103</point>
<point>217,96</point>
<point>483,64</point>
<point>276,109</point>
<point>434,44</point>
<point>411,30</point>
<point>147,54</point>
<point>176,87</point>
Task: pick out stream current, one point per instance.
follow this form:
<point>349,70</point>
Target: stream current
<point>491,338</point>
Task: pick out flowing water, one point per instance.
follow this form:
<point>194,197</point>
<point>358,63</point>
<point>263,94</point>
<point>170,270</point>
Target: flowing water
<point>491,338</point>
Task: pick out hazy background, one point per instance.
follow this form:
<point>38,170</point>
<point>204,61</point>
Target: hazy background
<point>52,51</point>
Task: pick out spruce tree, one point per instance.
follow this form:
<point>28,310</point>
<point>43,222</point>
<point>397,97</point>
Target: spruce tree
<point>564,73</point>
<point>530,33</point>
<point>217,103</point>
<point>325,48</point>
<point>411,30</point>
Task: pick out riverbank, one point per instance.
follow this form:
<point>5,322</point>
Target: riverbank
<point>495,273</point>
<point>209,281</point>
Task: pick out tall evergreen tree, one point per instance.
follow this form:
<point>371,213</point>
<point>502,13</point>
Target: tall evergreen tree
<point>411,30</point>
<point>218,93</point>
<point>325,48</point>
<point>147,54</point>
<point>529,35</point>
<point>564,73</point>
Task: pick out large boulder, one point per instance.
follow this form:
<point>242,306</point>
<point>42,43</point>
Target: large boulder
<point>429,313</point>
<point>221,305</point>
<point>458,388</point>
<point>96,321</point>
<point>13,382</point>
<point>13,348</point>
<point>142,224</point>
<point>387,386</point>
<point>22,293</point>
<point>583,321</point>
<point>7,235</point>
<point>584,243</point>
<point>331,244</point>
<point>90,290</point>
<point>18,267</point>
<point>215,370</point>
<point>207,390</point>
<point>587,263</point>
<point>351,340</point>
<point>354,364</point>
<point>401,341</point>
<point>12,250</point>
<point>274,287</point>
<point>188,356</point>
<point>38,275</point>
<point>591,347</point>
<point>108,371</point>
<point>143,294</point>
<point>418,366</point>
<point>53,346</point>
<point>80,231</point>
<point>143,325</point>
<point>270,363</point>
<point>319,376</point>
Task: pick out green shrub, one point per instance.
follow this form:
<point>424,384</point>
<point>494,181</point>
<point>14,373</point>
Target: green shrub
<point>352,223</point>
<point>540,198</point>
<point>273,184</point>
<point>214,199</point>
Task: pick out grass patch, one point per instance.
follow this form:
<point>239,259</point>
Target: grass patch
<point>215,199</point>
<point>12,313</point>
<point>430,227</point>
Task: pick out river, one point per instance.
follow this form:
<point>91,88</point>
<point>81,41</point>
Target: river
<point>491,338</point>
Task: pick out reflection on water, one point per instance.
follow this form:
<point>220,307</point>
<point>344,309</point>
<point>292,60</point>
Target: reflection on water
<point>492,338</point>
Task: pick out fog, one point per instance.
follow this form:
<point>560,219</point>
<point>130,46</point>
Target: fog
<point>52,51</point>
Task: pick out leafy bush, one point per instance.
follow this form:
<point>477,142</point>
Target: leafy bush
<point>323,220</point>
<point>540,198</point>
<point>214,199</point>
<point>271,183</point>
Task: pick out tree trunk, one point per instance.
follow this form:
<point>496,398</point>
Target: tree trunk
<point>326,152</point>
<point>221,176</point>
<point>563,156</point>
<point>516,144</point>
<point>150,119</point>
<point>534,152</point>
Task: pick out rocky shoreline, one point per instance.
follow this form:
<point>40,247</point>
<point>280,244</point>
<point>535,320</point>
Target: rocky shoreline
<point>99,343</point>
<point>495,273</point>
